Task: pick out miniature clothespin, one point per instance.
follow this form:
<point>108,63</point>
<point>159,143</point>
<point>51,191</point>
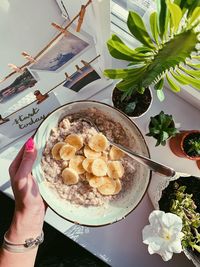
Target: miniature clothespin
<point>85,63</point>
<point>15,68</point>
<point>81,17</point>
<point>78,69</point>
<point>40,97</point>
<point>67,77</point>
<point>28,57</point>
<point>2,120</point>
<point>60,28</point>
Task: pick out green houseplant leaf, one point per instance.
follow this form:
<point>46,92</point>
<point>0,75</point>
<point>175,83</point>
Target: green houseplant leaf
<point>163,17</point>
<point>137,28</point>
<point>154,26</point>
<point>176,14</point>
<point>172,84</point>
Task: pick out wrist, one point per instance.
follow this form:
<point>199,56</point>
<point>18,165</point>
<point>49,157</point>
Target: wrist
<point>25,225</point>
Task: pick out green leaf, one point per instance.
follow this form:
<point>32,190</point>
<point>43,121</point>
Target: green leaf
<point>197,66</point>
<point>192,81</point>
<point>159,84</point>
<point>164,136</point>
<point>123,73</point>
<point>137,28</point>
<point>179,79</point>
<point>130,107</point>
<point>154,26</point>
<point>118,49</point>
<point>144,49</point>
<point>194,73</point>
<point>125,85</point>
<point>176,14</point>
<point>172,84</point>
<point>195,15</point>
<point>162,17</point>
<point>160,95</point>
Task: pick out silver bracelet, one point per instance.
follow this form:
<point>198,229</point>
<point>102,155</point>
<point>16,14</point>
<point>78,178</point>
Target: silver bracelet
<point>29,244</point>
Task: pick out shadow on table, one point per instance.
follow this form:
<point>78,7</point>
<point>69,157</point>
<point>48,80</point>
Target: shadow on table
<point>57,250</point>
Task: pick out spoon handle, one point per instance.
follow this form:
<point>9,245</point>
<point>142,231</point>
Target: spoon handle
<point>151,164</point>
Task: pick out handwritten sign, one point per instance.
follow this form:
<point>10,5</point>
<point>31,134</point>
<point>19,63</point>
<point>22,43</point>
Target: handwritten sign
<point>26,120</point>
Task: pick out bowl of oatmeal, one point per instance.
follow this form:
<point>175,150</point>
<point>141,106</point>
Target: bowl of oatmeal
<point>80,175</point>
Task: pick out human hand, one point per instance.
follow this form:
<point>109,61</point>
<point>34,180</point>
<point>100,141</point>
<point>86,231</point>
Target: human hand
<point>29,205</point>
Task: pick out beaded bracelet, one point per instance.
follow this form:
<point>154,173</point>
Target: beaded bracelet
<point>29,244</point>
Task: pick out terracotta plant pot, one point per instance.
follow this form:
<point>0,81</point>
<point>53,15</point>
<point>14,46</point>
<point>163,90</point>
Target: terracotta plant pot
<point>143,104</point>
<point>177,144</point>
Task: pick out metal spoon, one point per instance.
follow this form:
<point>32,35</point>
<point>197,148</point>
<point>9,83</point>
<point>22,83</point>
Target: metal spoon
<point>151,164</point>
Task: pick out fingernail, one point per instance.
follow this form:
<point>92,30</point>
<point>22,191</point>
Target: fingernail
<point>29,145</point>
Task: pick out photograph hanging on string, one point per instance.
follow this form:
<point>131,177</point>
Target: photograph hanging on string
<point>66,49</point>
<point>82,77</point>
<point>15,85</point>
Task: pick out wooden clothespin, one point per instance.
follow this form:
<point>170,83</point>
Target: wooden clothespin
<point>85,63</point>
<point>78,69</point>
<point>15,68</point>
<point>2,120</point>
<point>28,57</point>
<point>81,17</point>
<point>67,77</point>
<point>60,28</point>
<point>40,97</point>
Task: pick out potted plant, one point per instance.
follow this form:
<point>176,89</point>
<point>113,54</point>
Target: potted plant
<point>169,51</point>
<point>175,225</point>
<point>186,144</point>
<point>162,127</point>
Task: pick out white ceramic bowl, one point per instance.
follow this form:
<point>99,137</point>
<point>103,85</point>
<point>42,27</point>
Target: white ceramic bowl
<point>101,215</point>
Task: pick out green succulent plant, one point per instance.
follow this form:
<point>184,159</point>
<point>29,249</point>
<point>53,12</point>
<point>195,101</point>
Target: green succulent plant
<point>171,50</point>
<point>162,127</point>
<point>194,146</point>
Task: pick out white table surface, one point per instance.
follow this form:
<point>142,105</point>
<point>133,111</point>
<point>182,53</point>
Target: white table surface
<point>120,244</point>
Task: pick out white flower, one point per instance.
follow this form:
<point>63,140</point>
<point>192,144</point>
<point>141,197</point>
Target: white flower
<point>163,235</point>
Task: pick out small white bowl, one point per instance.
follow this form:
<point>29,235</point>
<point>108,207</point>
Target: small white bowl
<point>114,210</point>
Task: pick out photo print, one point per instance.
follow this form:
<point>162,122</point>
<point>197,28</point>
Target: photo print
<point>64,50</point>
<point>15,85</point>
<point>81,78</point>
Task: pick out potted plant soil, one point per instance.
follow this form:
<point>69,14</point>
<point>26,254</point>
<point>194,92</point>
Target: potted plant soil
<point>186,144</point>
<point>162,127</point>
<point>135,105</point>
<point>168,51</point>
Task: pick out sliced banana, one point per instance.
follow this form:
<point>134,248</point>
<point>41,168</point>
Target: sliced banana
<point>99,167</point>
<point>108,188</point>
<point>95,181</point>
<point>91,154</point>
<point>74,140</point>
<point>89,176</point>
<point>87,164</point>
<point>116,153</point>
<point>67,152</point>
<point>76,164</point>
<point>118,187</point>
<point>98,142</point>
<point>70,176</point>
<point>115,169</point>
<point>56,149</point>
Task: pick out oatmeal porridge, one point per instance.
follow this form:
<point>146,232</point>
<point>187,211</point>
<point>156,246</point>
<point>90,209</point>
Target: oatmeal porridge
<point>81,166</point>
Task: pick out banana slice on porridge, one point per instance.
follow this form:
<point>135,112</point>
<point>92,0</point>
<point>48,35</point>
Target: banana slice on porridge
<point>70,176</point>
<point>56,150</point>
<point>91,154</point>
<point>87,164</point>
<point>96,181</point>
<point>115,169</point>
<point>76,164</point>
<point>67,152</point>
<point>98,142</point>
<point>118,187</point>
<point>108,188</point>
<point>75,140</point>
<point>99,167</point>
<point>116,153</point>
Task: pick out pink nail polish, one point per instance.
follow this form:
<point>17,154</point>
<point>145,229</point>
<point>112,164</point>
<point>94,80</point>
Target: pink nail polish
<point>29,145</point>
